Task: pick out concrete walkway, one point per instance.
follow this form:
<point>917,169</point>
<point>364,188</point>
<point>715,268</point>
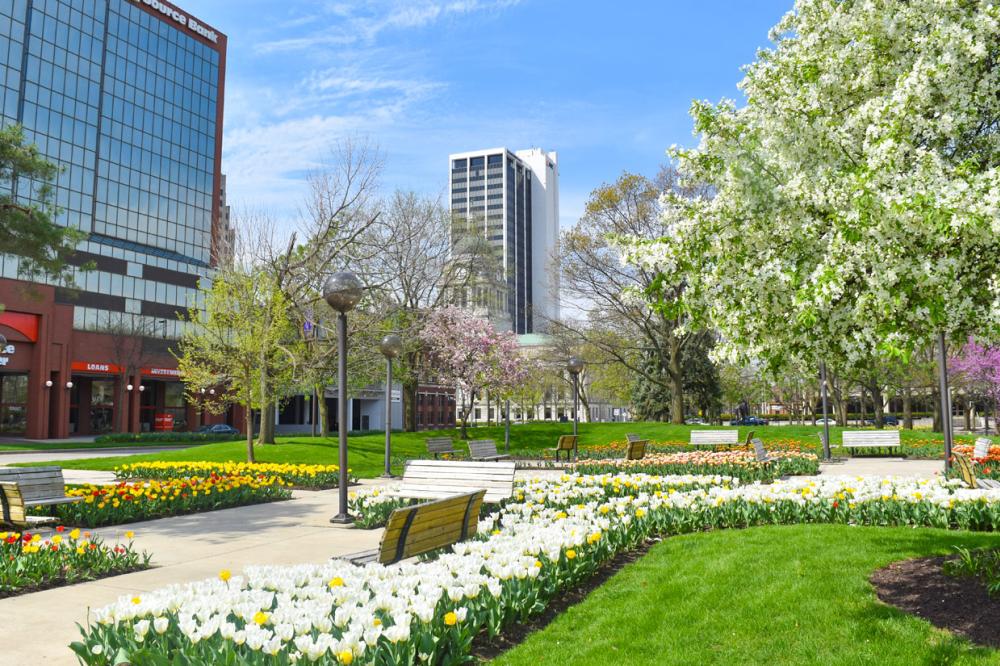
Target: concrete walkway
<point>923,469</point>
<point>186,548</point>
<point>27,456</point>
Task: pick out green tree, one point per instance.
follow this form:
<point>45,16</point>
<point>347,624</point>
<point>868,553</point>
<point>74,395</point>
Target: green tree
<point>27,228</point>
<point>241,331</point>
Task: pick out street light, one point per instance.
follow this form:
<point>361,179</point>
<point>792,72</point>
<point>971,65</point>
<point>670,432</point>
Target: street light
<point>575,367</point>
<point>342,291</point>
<point>391,347</point>
<point>826,415</point>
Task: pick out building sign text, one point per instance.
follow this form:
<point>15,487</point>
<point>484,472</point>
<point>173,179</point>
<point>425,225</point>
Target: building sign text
<point>180,17</point>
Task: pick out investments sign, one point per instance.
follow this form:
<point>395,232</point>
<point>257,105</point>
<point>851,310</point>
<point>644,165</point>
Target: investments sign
<point>180,17</point>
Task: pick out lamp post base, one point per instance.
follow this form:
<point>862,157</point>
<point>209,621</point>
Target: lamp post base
<point>389,476</point>
<point>342,519</point>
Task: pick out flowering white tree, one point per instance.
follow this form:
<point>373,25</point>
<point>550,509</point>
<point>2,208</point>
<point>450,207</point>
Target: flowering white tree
<point>855,204</point>
<point>468,353</point>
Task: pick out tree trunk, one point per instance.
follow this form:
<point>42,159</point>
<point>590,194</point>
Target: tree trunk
<point>877,406</point>
<point>410,386</point>
<point>968,415</point>
<point>937,427</point>
<point>266,434</point>
<point>840,405</point>
<point>324,411</point>
<point>908,408</point>
<point>676,383</point>
<point>249,427</point>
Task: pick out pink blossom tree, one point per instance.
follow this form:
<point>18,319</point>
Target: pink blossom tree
<point>978,367</point>
<point>468,353</point>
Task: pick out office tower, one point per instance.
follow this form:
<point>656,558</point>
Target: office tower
<point>511,200</point>
<point>127,97</point>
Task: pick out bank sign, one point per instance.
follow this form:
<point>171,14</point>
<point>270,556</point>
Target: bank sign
<point>180,17</point>
<point>5,354</point>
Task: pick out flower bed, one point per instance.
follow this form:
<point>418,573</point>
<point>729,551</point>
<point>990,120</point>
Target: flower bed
<point>111,504</point>
<point>29,562</point>
<point>740,464</point>
<point>302,476</point>
<point>372,506</point>
<point>531,550</point>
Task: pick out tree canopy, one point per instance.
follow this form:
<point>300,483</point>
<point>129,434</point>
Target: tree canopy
<point>855,195</point>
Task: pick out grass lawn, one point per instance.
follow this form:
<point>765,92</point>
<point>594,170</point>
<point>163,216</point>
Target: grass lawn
<point>766,595</point>
<point>366,451</point>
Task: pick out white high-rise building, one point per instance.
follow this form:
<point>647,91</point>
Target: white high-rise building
<point>513,199</point>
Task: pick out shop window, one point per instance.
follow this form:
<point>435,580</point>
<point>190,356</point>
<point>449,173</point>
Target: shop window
<point>13,403</point>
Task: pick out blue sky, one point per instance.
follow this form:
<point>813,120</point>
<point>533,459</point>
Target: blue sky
<point>605,84</point>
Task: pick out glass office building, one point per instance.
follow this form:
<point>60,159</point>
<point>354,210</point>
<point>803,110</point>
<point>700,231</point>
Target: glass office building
<point>127,97</point>
<point>511,199</point>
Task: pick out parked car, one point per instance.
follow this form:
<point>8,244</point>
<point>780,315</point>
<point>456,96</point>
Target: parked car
<point>822,421</point>
<point>695,420</point>
<point>748,421</point>
<point>887,419</point>
<point>219,429</point>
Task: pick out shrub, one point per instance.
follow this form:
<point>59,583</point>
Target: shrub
<point>165,437</point>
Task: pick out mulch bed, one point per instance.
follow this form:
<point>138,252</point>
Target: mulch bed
<point>960,605</point>
<point>485,648</point>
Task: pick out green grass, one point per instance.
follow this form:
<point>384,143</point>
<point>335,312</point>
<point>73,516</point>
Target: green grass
<point>766,595</point>
<point>366,451</point>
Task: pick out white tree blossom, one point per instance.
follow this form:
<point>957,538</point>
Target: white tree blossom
<point>855,204</point>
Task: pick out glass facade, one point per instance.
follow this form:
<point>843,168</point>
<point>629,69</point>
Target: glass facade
<point>492,192</point>
<point>126,101</point>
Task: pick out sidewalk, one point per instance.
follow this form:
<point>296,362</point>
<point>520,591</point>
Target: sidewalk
<point>184,548</point>
<point>922,469</point>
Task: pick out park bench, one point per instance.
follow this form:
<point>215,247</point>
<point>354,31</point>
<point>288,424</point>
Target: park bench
<point>29,487</point>
<point>636,449</point>
<point>439,446</point>
<point>760,452</point>
<point>982,448</point>
<point>567,444</point>
<point>871,439</point>
<point>484,449</point>
<point>422,528</point>
<point>969,476</point>
<point>633,437</point>
<point>714,437</point>
<point>14,512</point>
<point>436,479</point>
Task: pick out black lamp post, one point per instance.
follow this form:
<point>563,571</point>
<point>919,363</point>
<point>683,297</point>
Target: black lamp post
<point>946,425</point>
<point>575,367</point>
<point>342,291</point>
<point>826,414</point>
<point>391,347</point>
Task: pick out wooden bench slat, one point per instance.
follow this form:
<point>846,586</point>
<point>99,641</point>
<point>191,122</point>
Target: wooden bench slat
<point>425,527</point>
<point>714,437</point>
<point>442,478</point>
<point>869,438</point>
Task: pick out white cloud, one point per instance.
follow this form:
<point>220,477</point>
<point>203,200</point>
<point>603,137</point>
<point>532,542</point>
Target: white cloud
<point>364,22</point>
